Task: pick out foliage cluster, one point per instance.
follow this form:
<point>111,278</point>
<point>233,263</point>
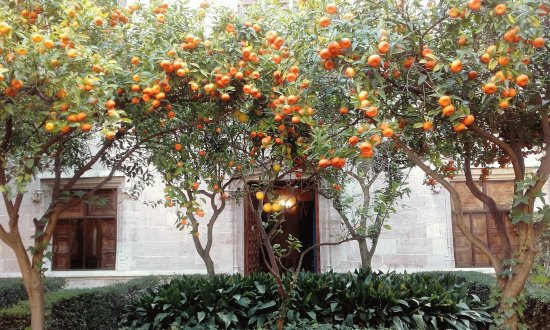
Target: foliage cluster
<point>364,298</point>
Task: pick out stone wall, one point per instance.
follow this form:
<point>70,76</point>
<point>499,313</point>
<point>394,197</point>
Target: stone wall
<point>149,243</point>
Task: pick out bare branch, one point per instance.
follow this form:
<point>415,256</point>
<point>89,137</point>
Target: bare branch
<point>457,203</point>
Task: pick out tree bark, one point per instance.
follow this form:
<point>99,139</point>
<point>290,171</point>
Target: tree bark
<point>36,299</point>
<point>366,255</point>
<point>210,271</point>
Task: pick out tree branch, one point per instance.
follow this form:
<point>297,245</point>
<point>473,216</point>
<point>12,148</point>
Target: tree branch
<point>457,203</point>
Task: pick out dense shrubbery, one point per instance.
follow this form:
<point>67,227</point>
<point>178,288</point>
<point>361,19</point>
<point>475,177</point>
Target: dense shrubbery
<point>364,299</point>
<point>12,290</point>
<point>537,311</point>
<point>323,301</point>
<point>96,308</point>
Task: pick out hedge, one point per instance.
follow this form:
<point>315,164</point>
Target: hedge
<point>13,291</point>
<point>363,298</point>
<point>537,311</point>
<point>95,308</point>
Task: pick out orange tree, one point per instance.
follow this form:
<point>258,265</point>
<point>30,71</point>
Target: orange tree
<point>458,80</point>
<point>83,85</point>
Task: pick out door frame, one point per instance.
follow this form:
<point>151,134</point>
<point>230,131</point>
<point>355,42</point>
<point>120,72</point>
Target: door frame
<point>316,251</point>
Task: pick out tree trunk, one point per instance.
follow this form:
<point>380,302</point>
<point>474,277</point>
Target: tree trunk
<point>366,256</point>
<point>36,299</point>
<point>209,265</point>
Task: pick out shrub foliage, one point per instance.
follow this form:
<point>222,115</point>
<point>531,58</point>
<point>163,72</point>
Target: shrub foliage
<point>363,298</point>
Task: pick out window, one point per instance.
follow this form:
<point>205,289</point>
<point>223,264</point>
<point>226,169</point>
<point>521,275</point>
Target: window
<point>480,222</point>
<point>85,236</point>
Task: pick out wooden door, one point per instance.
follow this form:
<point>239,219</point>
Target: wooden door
<point>108,243</point>
<point>481,223</point>
<point>62,245</point>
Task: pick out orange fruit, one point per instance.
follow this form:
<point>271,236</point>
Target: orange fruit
<point>324,21</point>
<point>489,88</point>
<point>448,110</point>
<point>331,8</point>
<point>459,127</point>
<point>364,146</point>
<point>472,75</point>
<point>444,101</point>
<point>323,163</point>
<point>485,58</point>
<point>503,60</point>
<point>345,43</point>
<point>454,13</point>
<point>456,66</point>
<point>462,41</point>
<point>371,112</point>
<point>374,60</point>
<point>500,9</point>
<point>350,72</point>
<point>427,126</point>
<point>474,4</point>
<point>468,120</point>
<point>383,47</point>
<point>353,140</point>
<point>522,80</point>
<point>387,132</point>
<point>538,42</point>
<point>504,104</point>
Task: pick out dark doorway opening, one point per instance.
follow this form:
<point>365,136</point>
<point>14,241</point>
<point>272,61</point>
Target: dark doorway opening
<point>299,213</point>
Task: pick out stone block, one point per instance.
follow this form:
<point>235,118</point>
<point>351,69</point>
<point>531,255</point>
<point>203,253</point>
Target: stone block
<point>414,246</point>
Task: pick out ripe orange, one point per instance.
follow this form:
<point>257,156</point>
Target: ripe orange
<point>510,92</point>
<point>350,72</point>
<point>324,163</point>
<point>456,66</point>
<point>371,112</point>
<point>472,75</point>
<point>110,104</point>
<point>444,100</point>
<point>459,127</point>
<point>490,88</point>
<point>365,146</point>
<point>178,147</point>
<point>538,42</point>
<point>503,60</point>
<point>408,62</point>
<point>474,4</point>
<point>374,60</point>
<point>345,43</point>
<point>485,58</point>
<point>225,97</point>
<point>427,126</point>
<point>522,80</point>
<point>504,104</point>
<point>448,110</point>
<point>383,47</point>
<point>324,21</point>
<point>331,8</point>
<point>37,38</point>
<point>468,120</point>
<point>387,132</point>
<point>49,126</point>
<point>353,140</point>
<point>454,13</point>
<point>462,41</point>
<point>500,9</point>
<point>85,127</point>
<point>363,95</point>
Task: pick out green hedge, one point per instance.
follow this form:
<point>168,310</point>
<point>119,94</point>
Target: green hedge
<point>364,298</point>
<point>95,308</point>
<point>13,291</point>
<point>537,311</point>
